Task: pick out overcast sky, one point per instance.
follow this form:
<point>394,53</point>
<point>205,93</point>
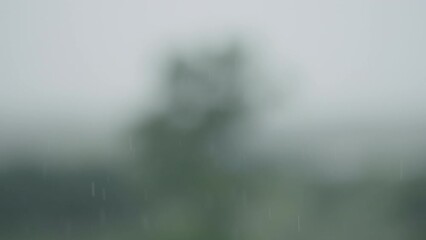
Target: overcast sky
<point>89,61</point>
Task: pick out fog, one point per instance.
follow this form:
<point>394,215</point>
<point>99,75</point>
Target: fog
<point>82,60</point>
<point>212,119</point>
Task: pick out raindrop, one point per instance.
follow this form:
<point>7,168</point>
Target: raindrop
<point>93,189</point>
<point>104,194</point>
<point>69,228</point>
<point>208,200</point>
<point>49,147</point>
<point>298,223</point>
<point>144,195</point>
<point>145,222</point>
<point>44,169</point>
<point>244,198</point>
<point>130,144</point>
<point>102,216</point>
<point>237,233</point>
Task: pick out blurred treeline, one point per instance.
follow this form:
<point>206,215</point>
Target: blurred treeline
<point>190,176</point>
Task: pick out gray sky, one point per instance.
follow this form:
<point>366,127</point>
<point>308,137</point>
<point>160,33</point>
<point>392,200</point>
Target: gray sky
<point>90,61</point>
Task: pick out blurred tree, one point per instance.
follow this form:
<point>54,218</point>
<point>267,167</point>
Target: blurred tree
<point>189,190</point>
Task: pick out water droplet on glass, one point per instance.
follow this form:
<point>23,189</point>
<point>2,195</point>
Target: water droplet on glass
<point>93,189</point>
<point>298,223</point>
<point>104,194</point>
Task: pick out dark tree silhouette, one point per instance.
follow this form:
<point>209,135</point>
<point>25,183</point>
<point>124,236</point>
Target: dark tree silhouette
<point>189,190</point>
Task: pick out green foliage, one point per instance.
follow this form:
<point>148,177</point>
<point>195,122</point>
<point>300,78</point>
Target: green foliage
<point>189,189</point>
